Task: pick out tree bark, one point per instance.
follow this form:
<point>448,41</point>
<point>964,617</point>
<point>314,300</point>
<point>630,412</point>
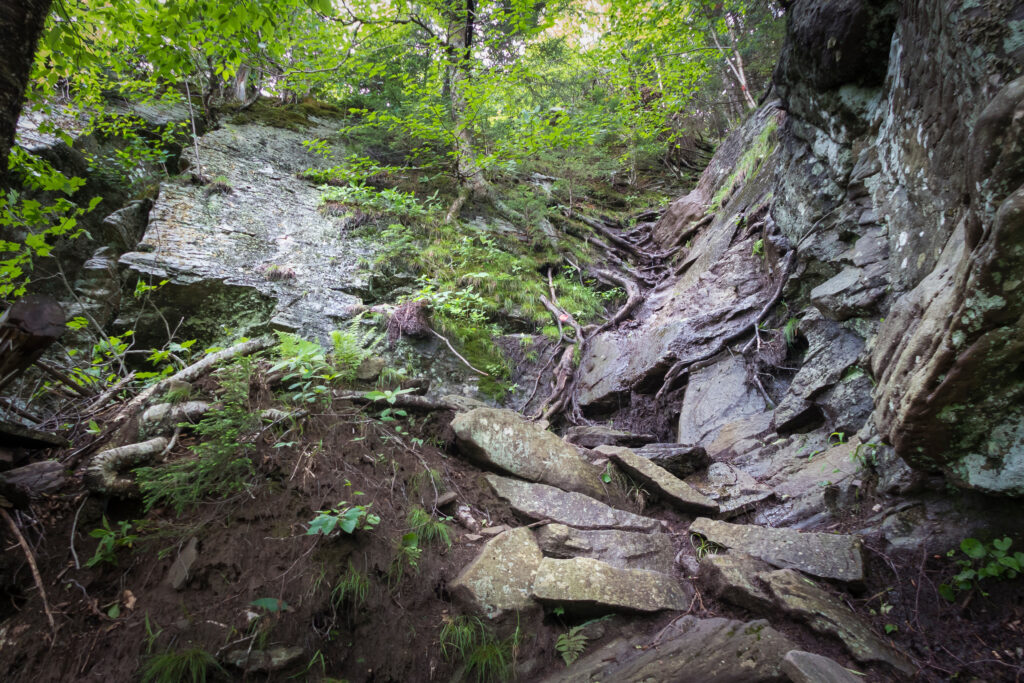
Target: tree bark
<point>21,24</point>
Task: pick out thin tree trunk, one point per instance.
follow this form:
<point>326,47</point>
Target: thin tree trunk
<point>21,23</point>
<point>460,44</point>
<point>735,63</point>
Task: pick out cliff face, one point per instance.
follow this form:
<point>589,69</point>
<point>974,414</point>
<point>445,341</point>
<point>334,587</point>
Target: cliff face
<point>894,185</point>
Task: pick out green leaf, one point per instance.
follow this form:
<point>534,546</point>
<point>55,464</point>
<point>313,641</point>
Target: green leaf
<point>947,592</point>
<point>115,611</point>
<point>1002,543</point>
<point>973,548</point>
<point>322,524</point>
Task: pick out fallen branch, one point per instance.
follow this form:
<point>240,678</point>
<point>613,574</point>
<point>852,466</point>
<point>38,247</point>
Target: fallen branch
<point>32,565</point>
<point>190,374</point>
<point>457,354</point>
<point>102,473</point>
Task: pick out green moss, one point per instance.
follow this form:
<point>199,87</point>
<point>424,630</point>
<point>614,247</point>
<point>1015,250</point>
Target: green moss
<point>264,111</point>
<point>749,164</point>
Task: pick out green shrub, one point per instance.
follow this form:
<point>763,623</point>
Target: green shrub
<point>427,529</point>
<point>983,561</point>
<point>185,666</point>
<point>219,465</point>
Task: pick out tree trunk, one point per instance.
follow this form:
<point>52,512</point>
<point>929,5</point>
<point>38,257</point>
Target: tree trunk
<point>460,44</point>
<point>21,23</point>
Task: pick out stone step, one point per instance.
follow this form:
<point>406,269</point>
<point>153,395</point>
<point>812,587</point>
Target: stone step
<point>691,650</point>
<point>588,586</point>
<point>502,439</point>
<point>807,667</point>
<point>830,556</point>
<point>680,459</point>
<point>592,436</point>
<point>623,549</point>
<point>669,487</point>
<point>500,578</point>
<point>734,490</point>
<point>540,501</point>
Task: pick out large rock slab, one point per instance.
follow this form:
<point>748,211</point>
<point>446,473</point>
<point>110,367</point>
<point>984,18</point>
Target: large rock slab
<point>731,488</point>
<point>734,577</point>
<point>263,233</point>
<point>803,598</point>
<point>679,459</point>
<point>622,549</point>
<point>692,650</point>
<point>540,501</point>
<point>715,396</point>
<point>583,584</point>
<point>807,667</point>
<point>503,440</point>
<point>669,487</point>
<point>500,578</point>
<point>830,556</point>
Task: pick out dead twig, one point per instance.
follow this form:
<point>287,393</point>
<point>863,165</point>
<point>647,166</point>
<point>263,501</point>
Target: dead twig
<point>35,569</point>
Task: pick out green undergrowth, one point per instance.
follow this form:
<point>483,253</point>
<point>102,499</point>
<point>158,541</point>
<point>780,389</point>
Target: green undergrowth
<point>749,164</point>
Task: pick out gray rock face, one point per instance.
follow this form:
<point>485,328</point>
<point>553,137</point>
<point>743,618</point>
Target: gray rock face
<point>670,488</point>
<point>716,395</point>
<point>707,650</point>
<point>539,501</point>
<point>502,439</point>
<point>500,578</point>
<point>807,667</point>
<point>832,350</point>
<point>800,596</point>
<point>732,489</point>
<point>592,436</point>
<point>679,459</point>
<point>733,577</point>
<point>265,233</point>
<point>622,549</point>
<point>830,556</point>
<point>589,586</point>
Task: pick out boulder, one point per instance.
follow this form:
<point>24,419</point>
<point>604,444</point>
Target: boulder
<point>680,459</point>
<point>539,501</point>
<point>731,488</point>
<point>667,486</point>
<point>807,667</point>
<point>592,436</point>
<point>622,549</point>
<point>830,556</point>
<point>502,439</point>
<point>500,578</point>
<point>716,395</point>
<point>713,650</point>
<point>586,585</point>
<point>733,577</point>
<point>804,599</point>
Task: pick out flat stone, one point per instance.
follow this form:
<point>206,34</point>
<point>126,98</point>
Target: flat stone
<point>494,530</point>
<point>733,577</point>
<point>539,501</point>
<point>692,650</point>
<point>622,549</point>
<point>472,538</point>
<point>679,459</point>
<point>670,487</point>
<point>830,556</point>
<point>740,436</point>
<point>445,499</point>
<point>370,368</point>
<point>178,573</point>
<point>734,490</point>
<point>803,598</point>
<point>500,577</point>
<point>592,436</point>
<point>589,585</point>
<point>807,667</point>
<point>502,439</point>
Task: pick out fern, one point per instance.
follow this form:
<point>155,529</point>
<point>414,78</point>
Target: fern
<point>571,644</point>
<point>352,346</point>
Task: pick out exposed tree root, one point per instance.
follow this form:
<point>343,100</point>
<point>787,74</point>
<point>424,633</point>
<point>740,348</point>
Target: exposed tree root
<point>680,367</point>
<point>102,474</point>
